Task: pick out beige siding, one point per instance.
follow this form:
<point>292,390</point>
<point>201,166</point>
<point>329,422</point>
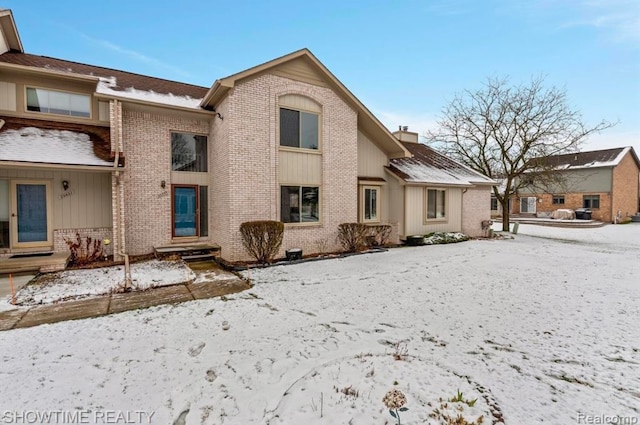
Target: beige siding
<point>3,44</point>
<point>415,212</point>
<point>103,111</point>
<point>586,180</point>
<point>7,96</point>
<point>87,203</point>
<point>23,80</point>
<point>300,70</point>
<point>395,200</point>
<point>371,160</point>
<point>181,177</point>
<point>300,167</point>
<point>299,102</point>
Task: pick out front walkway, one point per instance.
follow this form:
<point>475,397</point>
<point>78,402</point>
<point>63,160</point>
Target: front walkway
<point>117,303</point>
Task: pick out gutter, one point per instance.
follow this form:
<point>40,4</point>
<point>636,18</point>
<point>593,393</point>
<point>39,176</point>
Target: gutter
<point>116,171</point>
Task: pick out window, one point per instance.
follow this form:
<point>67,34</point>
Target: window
<point>370,207</point>
<point>298,129</point>
<point>436,206</point>
<point>558,200</point>
<point>591,201</point>
<point>188,152</point>
<point>494,203</point>
<point>299,204</point>
<point>58,102</point>
<point>190,210</point>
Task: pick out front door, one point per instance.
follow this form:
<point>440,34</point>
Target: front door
<point>30,214</point>
<point>185,211</point>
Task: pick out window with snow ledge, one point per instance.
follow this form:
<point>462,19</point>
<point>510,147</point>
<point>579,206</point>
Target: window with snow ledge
<point>58,102</point>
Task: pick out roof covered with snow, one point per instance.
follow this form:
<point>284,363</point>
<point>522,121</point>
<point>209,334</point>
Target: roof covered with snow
<point>48,146</point>
<point>430,166</point>
<point>118,83</point>
<point>590,159</point>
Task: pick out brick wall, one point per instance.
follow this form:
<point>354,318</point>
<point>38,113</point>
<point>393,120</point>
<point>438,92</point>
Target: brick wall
<point>253,160</point>
<point>147,147</point>
<point>476,207</point>
<point>625,187</point>
<point>100,233</point>
<point>572,201</point>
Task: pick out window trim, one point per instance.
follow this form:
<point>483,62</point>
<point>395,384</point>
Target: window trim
<point>591,198</point>
<point>26,102</point>
<point>173,213</point>
<point>191,133</point>
<point>444,219</point>
<point>363,189</point>
<point>298,148</point>
<point>558,197</point>
<point>494,198</point>
<point>300,223</point>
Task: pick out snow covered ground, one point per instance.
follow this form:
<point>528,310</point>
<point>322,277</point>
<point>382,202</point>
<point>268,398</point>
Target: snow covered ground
<point>541,328</point>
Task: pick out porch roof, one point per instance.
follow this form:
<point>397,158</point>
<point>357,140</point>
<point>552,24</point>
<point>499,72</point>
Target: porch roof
<point>28,143</point>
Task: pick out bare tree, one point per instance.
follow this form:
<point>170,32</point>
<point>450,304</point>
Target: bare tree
<point>501,131</point>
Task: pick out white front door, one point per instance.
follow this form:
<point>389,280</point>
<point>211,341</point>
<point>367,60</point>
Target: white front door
<point>30,219</point>
<point>528,205</point>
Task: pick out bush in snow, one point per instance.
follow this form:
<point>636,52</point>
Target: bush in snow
<point>352,236</point>
<point>84,250</point>
<point>444,237</point>
<point>262,238</point>
<point>378,235</point>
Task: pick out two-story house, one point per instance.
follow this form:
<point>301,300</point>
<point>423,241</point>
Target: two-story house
<point>147,162</point>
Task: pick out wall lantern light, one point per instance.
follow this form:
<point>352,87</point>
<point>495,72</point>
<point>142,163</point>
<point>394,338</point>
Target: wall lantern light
<point>65,185</point>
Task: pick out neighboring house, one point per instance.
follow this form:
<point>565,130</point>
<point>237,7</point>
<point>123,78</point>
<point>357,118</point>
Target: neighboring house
<point>148,162</point>
<point>432,193</point>
<point>605,181</point>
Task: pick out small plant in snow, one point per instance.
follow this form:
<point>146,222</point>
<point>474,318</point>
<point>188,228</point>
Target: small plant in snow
<point>460,399</point>
<point>84,250</point>
<point>400,351</point>
<point>395,400</point>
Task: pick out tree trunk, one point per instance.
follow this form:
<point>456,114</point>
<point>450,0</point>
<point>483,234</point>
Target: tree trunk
<point>505,215</point>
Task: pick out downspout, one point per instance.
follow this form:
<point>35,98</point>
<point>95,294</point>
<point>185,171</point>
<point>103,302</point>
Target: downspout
<point>127,267</point>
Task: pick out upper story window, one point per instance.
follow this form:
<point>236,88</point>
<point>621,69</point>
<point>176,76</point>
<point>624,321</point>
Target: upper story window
<point>299,129</point>
<point>188,152</point>
<point>58,102</point>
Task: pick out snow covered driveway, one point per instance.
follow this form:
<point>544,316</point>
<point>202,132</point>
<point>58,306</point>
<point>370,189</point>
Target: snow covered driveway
<point>537,329</point>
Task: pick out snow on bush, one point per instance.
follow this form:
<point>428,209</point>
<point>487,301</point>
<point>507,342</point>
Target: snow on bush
<point>436,238</point>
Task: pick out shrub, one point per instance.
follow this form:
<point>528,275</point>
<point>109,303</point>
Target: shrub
<point>352,236</point>
<point>262,239</point>
<point>378,235</point>
<point>84,250</point>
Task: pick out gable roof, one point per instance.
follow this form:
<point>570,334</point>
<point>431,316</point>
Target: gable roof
<point>123,80</point>
<point>428,166</point>
<point>590,159</point>
<point>8,31</point>
<point>380,134</point>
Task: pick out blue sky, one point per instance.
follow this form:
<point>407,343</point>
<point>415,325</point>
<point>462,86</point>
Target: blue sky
<point>403,59</point>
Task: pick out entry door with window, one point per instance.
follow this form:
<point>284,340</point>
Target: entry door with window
<point>528,205</point>
<point>30,219</point>
<point>189,211</point>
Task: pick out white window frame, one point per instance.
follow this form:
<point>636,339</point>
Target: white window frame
<point>67,92</point>
<point>445,217</point>
<point>318,115</point>
<point>363,191</point>
<point>301,186</point>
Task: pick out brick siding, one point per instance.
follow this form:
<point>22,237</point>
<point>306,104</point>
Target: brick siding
<point>476,204</point>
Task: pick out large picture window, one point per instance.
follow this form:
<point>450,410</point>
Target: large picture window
<point>299,129</point>
<point>58,102</point>
<point>299,204</point>
<point>188,152</point>
<point>436,204</point>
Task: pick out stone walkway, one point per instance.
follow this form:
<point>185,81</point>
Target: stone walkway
<point>25,317</point>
